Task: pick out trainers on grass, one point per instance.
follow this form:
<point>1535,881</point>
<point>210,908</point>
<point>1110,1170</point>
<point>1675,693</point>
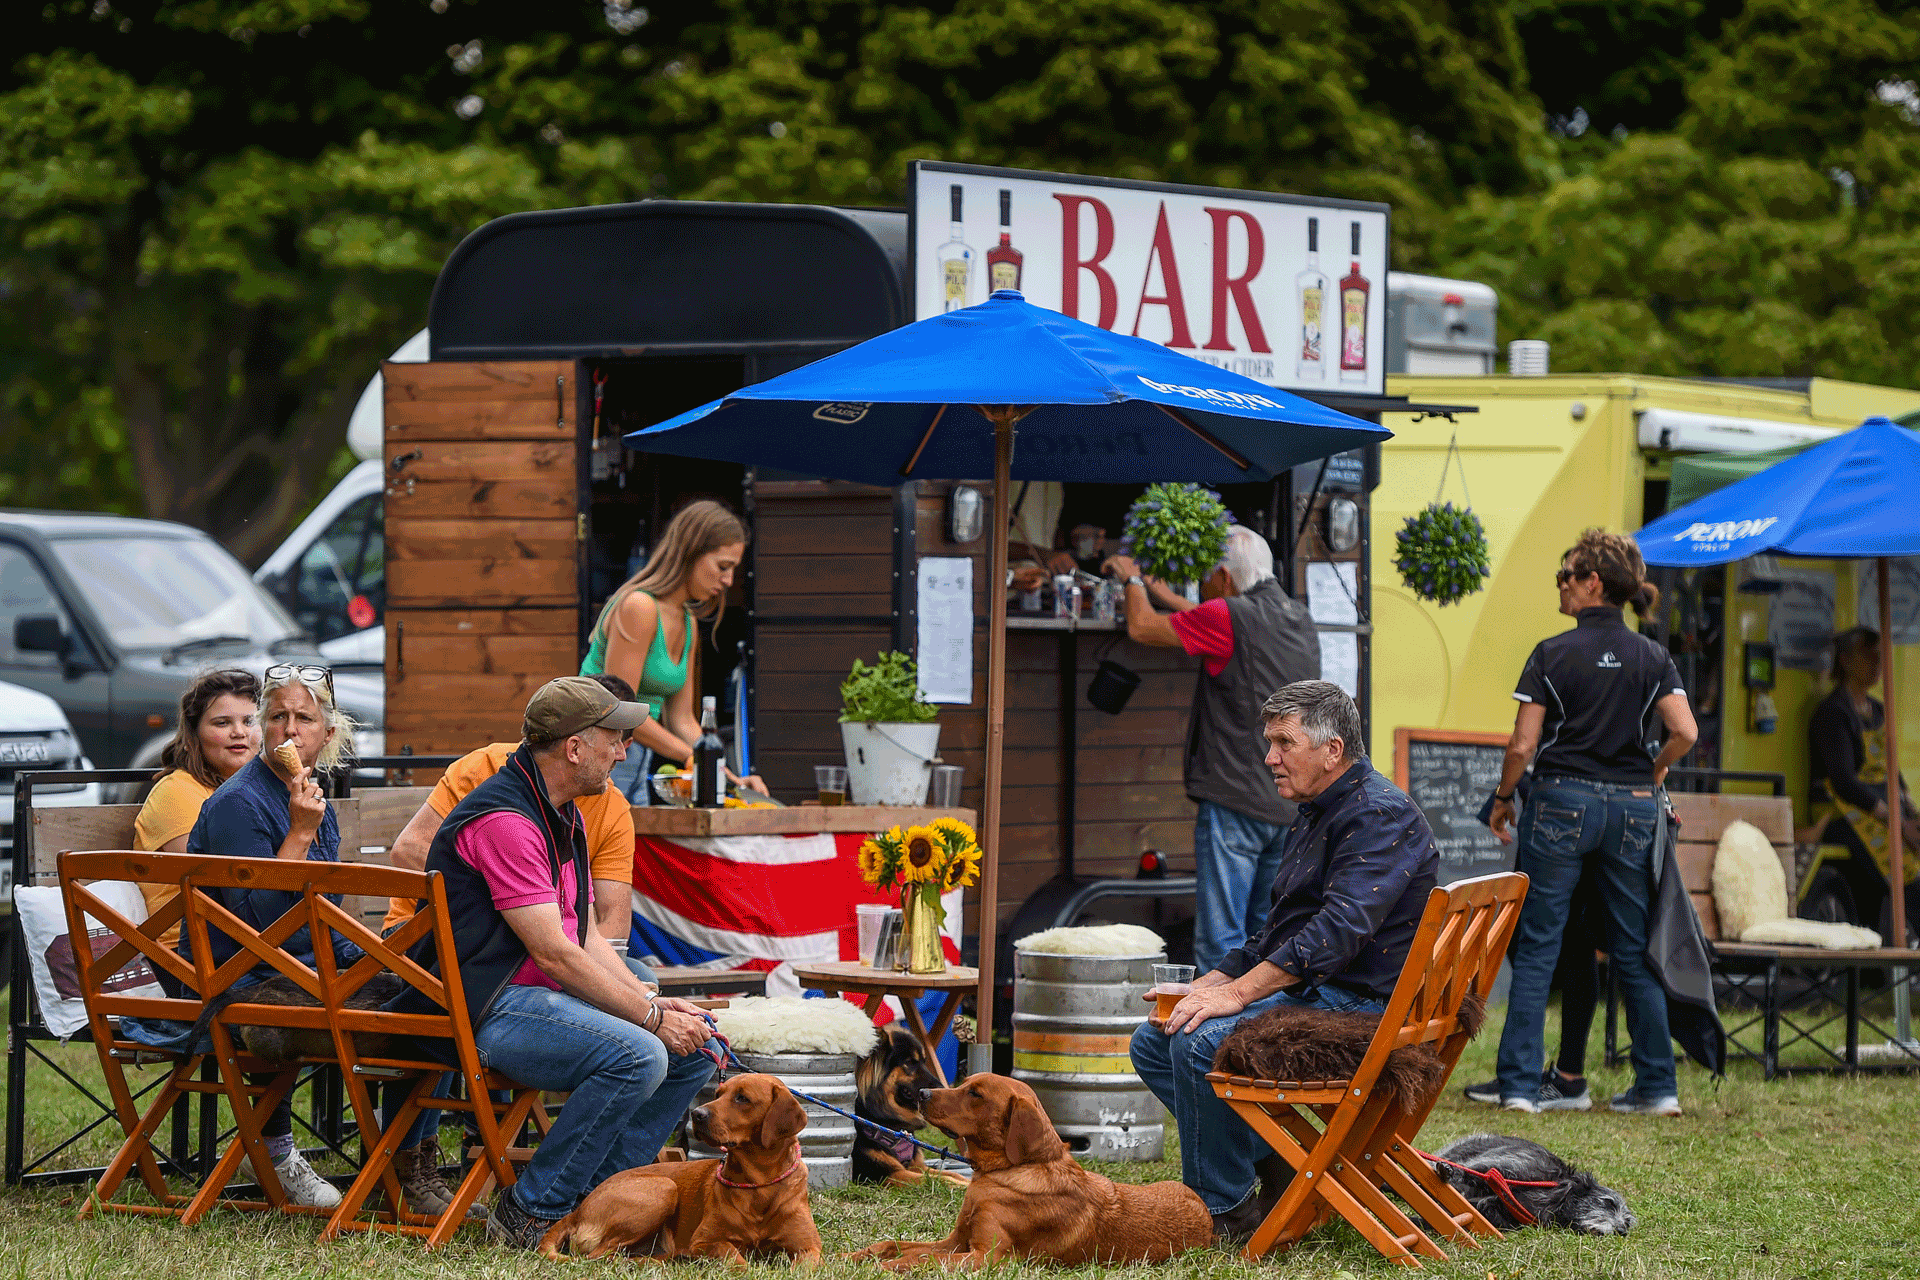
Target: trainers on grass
<point>1557,1093</point>
<point>1629,1102</point>
<point>1519,1104</point>
<point>298,1179</point>
<point>1488,1092</point>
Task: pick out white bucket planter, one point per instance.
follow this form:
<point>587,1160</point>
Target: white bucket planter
<point>890,763</point>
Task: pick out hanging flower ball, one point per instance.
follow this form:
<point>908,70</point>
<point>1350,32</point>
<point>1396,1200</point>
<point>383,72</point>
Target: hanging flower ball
<point>1176,532</point>
<point>1443,554</point>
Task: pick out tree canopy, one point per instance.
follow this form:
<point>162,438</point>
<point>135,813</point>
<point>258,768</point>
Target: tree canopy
<point>217,215</point>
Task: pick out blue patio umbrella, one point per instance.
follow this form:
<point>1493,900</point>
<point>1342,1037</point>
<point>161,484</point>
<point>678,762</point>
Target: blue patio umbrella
<point>1856,495</point>
<point>1017,392</point>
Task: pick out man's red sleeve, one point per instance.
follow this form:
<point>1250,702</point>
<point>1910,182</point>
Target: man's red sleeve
<point>1206,632</point>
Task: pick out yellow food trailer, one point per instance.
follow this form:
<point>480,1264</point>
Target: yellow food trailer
<point>1546,457</point>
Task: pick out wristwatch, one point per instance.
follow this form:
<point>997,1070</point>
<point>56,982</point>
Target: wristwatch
<point>1137,581</point>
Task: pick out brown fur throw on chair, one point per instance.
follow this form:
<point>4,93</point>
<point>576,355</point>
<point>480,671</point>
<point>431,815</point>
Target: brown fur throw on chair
<point>1315,1044</point>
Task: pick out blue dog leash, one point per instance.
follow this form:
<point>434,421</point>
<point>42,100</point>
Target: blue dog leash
<point>727,1060</point>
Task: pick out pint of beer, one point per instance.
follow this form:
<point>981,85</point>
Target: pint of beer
<point>1171,982</point>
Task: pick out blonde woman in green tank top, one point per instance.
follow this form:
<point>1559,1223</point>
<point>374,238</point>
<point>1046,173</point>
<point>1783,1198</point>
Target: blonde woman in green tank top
<point>646,633</point>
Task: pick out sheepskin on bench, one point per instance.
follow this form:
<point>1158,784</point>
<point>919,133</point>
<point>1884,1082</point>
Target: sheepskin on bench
<point>1317,1044</point>
<point>1750,897</point>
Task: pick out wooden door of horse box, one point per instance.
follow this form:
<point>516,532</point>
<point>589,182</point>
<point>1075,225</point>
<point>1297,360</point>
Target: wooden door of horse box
<point>486,546</point>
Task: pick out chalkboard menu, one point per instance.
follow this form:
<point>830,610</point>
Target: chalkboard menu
<point>1449,773</point>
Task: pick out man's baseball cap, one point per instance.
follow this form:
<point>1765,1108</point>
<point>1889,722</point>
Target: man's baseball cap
<point>563,707</point>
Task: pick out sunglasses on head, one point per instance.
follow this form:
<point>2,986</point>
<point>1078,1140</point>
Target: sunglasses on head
<point>321,677</point>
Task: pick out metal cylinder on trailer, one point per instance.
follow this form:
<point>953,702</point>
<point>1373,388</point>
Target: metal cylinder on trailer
<point>1073,1021</point>
<point>826,1144</point>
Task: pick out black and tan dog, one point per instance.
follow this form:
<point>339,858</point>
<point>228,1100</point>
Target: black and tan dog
<point>887,1087</point>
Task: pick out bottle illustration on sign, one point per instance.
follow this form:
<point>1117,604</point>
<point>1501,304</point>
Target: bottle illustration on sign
<point>1313,301</point>
<point>1353,319</point>
<point>1003,260</point>
<point>956,262</point>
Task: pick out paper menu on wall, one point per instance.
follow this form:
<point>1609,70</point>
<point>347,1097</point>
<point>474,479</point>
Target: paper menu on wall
<point>1340,660</point>
<point>945,600</point>
<point>1332,592</point>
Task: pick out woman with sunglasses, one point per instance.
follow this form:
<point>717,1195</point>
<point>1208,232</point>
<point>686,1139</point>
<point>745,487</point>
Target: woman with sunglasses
<point>267,811</point>
<point>1593,703</point>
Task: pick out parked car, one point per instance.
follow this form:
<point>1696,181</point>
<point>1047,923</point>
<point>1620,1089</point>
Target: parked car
<point>112,617</point>
<point>34,738</point>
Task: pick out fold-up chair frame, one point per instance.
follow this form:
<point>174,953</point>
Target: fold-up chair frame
<point>202,913</point>
<point>1350,1143</point>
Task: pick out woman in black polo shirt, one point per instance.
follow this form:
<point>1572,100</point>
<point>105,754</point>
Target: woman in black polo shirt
<point>1593,701</point>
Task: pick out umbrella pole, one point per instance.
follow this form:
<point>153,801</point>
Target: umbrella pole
<point>1896,834</point>
<point>980,1053</point>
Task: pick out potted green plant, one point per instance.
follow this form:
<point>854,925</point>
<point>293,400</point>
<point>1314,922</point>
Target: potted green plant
<point>891,733</point>
<point>1177,533</point>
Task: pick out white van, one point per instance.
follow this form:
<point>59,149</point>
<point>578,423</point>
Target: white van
<point>330,573</point>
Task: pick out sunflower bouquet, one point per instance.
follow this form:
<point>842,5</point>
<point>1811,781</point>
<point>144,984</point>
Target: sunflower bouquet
<point>922,862</point>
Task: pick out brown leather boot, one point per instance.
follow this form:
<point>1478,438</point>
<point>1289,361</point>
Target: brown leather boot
<point>426,1191</point>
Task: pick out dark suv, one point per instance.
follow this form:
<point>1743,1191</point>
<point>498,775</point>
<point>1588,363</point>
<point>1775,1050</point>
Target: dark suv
<point>112,618</point>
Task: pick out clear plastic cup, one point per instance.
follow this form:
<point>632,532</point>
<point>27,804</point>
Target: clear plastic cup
<point>869,916</point>
<point>944,791</point>
<point>830,781</point>
<point>1170,983</point>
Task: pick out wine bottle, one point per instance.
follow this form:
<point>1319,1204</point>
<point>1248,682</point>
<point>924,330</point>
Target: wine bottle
<point>1354,291</point>
<point>709,761</point>
<point>1003,260</point>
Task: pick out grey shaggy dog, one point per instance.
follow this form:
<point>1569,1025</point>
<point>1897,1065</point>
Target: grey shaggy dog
<point>1576,1201</point>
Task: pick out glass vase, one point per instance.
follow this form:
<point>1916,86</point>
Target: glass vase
<point>925,915</point>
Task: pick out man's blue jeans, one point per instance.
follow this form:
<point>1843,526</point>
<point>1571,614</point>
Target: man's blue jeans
<point>1217,1149</point>
<point>1567,821</point>
<point>1238,858</point>
<point>627,1091</point>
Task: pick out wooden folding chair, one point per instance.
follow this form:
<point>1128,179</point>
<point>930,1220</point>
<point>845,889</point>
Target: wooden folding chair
<point>1362,1144</point>
<point>105,1006</point>
<point>496,1120</point>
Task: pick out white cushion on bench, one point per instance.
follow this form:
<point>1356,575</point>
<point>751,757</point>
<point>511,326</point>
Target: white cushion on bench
<point>1812,933</point>
<point>1749,885</point>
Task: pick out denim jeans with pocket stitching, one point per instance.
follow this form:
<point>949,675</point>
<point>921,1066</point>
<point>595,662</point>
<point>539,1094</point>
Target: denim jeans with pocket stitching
<point>1217,1148</point>
<point>1567,822</point>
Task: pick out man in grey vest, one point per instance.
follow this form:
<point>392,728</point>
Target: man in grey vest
<point>1251,638</point>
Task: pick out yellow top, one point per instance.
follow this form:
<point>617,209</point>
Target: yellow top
<point>608,818</point>
<point>172,807</point>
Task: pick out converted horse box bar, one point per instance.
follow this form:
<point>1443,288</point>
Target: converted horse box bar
<point>513,512</point>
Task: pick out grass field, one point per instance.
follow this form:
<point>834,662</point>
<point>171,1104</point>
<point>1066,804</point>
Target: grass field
<point>1810,1177</point>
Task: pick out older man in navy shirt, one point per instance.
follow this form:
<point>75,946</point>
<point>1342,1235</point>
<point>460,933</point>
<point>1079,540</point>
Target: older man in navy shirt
<point>1358,865</point>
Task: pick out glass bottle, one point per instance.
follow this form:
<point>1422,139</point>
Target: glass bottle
<point>1003,260</point>
<point>956,261</point>
<point>709,760</point>
<point>1353,319</point>
<point>1312,364</point>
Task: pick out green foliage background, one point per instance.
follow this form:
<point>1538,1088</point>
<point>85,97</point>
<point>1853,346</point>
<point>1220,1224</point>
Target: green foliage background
<point>216,215</point>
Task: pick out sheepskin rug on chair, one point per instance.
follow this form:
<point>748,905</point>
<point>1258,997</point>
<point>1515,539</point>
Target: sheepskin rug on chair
<point>789,1024</point>
<point>1094,940</point>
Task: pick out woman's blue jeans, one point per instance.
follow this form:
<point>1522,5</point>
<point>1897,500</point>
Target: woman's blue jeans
<point>627,1091</point>
<point>1568,821</point>
<point>1217,1149</point>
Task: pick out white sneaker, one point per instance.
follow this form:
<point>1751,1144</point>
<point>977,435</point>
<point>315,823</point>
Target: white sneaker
<point>1527,1105</point>
<point>298,1179</point>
